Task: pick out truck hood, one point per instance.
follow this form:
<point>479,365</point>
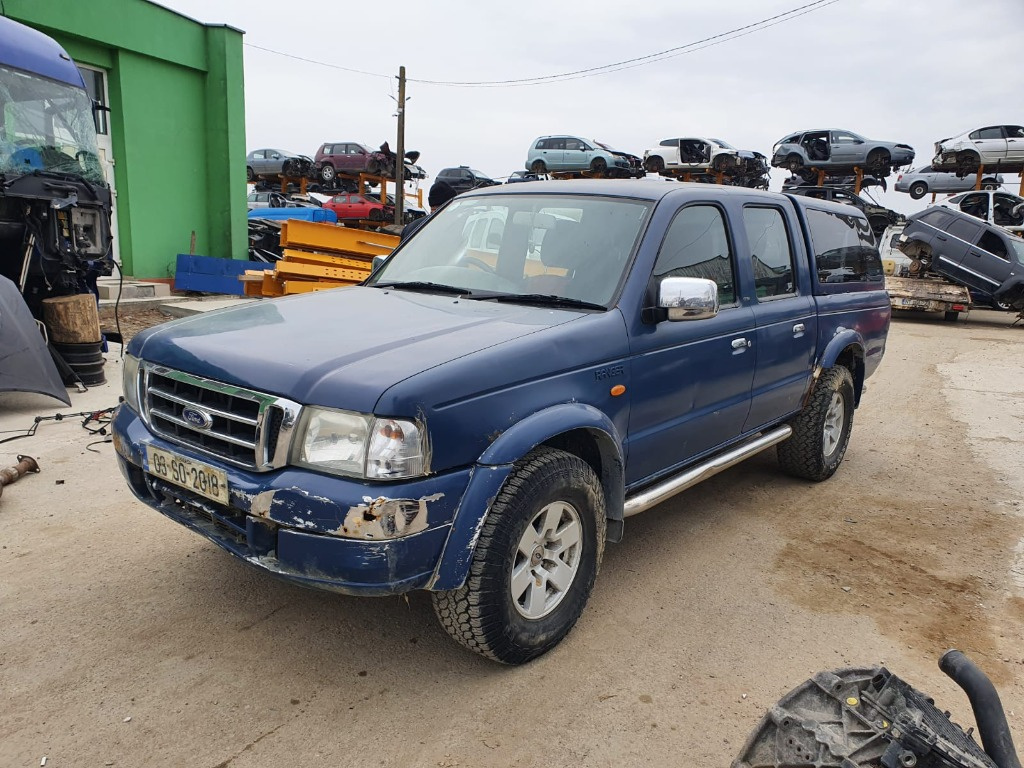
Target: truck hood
<point>341,348</point>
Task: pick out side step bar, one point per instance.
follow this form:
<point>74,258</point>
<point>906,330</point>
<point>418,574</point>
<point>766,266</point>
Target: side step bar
<point>650,497</point>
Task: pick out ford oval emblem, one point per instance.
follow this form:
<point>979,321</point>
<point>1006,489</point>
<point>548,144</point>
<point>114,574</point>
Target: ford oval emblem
<point>197,418</point>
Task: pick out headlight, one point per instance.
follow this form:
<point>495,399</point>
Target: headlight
<point>130,382</point>
<point>359,445</point>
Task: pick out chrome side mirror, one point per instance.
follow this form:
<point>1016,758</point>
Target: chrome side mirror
<point>688,298</point>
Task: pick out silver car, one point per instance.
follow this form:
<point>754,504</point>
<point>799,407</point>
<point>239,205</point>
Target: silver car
<point>274,162</point>
<point>837,150</point>
<point>926,179</point>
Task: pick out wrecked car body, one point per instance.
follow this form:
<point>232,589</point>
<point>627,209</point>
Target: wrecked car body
<point>985,258</point>
<point>839,151</point>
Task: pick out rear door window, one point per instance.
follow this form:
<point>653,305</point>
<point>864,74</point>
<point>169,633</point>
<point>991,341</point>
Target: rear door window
<point>965,230</point>
<point>697,245</point>
<point>844,248</point>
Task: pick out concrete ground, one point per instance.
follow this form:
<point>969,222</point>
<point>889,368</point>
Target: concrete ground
<point>126,640</point>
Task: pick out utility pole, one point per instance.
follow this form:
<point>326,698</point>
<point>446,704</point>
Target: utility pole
<point>400,151</point>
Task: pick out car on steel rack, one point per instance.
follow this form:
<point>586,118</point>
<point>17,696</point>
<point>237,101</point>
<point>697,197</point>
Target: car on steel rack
<point>271,163</point>
<point>1000,208</point>
<point>464,178</point>
<point>925,179</point>
<point>692,154</point>
<point>564,154</point>
<point>839,151</point>
<point>510,397</point>
<point>992,145</point>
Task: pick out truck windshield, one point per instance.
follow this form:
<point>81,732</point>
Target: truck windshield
<point>46,126</point>
<point>569,246</point>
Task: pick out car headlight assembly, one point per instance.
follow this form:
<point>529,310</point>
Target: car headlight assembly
<point>360,445</point>
<point>130,382</point>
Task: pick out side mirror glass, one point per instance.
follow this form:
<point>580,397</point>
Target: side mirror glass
<point>688,298</point>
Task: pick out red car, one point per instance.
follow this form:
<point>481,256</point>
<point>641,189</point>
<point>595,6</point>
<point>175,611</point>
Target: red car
<point>356,206</point>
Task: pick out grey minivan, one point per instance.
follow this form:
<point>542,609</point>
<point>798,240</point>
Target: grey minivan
<point>926,179</point>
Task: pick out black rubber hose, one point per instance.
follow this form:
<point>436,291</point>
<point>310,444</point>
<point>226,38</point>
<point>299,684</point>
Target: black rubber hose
<point>988,709</point>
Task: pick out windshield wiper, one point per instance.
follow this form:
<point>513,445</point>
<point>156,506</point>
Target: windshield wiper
<point>543,299</point>
<point>419,285</point>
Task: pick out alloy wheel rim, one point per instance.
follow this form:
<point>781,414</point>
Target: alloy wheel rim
<point>547,560</point>
<point>833,429</point>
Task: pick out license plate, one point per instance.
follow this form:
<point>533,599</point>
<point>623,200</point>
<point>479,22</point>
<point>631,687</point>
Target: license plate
<point>207,481</point>
<point>913,303</point>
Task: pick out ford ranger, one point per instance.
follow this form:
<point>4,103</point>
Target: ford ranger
<point>532,367</point>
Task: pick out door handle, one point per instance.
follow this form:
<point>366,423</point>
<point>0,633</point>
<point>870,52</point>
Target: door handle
<point>940,237</point>
<point>798,328</point>
<point>740,343</point>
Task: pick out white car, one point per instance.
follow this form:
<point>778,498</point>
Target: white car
<point>694,153</point>
<point>984,146</point>
<point>999,208</point>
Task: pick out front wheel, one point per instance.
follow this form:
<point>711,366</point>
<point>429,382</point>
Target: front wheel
<point>821,431</point>
<point>538,167</point>
<point>327,173</point>
<point>599,165</point>
<point>654,164</point>
<point>535,563</point>
<point>250,174</point>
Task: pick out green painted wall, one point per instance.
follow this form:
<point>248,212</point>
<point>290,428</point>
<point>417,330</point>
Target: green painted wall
<point>177,123</point>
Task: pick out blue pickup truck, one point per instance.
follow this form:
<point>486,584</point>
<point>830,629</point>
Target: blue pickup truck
<point>533,366</point>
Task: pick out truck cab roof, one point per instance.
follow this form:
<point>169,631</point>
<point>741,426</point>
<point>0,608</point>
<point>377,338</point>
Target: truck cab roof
<point>27,49</point>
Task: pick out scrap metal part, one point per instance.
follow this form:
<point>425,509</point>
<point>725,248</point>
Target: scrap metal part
<point>10,475</point>
<point>859,718</point>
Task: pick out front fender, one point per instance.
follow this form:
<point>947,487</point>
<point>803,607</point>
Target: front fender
<point>523,436</point>
<point>496,464</point>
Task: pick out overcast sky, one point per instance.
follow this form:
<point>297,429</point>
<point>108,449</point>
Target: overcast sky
<point>912,71</point>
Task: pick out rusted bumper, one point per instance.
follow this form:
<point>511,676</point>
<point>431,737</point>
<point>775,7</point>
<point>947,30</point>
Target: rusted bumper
<point>321,531</point>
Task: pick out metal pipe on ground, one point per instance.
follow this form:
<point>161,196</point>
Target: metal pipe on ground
<point>10,475</point>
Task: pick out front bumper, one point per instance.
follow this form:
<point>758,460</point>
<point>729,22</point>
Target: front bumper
<point>288,522</point>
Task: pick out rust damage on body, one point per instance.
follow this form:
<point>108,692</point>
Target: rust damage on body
<point>384,518</point>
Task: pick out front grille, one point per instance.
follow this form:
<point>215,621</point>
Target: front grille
<point>241,426</point>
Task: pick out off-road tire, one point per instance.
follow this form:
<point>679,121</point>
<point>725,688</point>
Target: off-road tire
<point>803,454</point>
<point>480,615</point>
<point>918,190</point>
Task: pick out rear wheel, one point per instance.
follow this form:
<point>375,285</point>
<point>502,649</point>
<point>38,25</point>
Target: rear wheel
<point>250,174</point>
<point>989,184</point>
<point>538,167</point>
<point>951,316</point>
<point>918,190</point>
<point>535,562</point>
<point>821,431</point>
